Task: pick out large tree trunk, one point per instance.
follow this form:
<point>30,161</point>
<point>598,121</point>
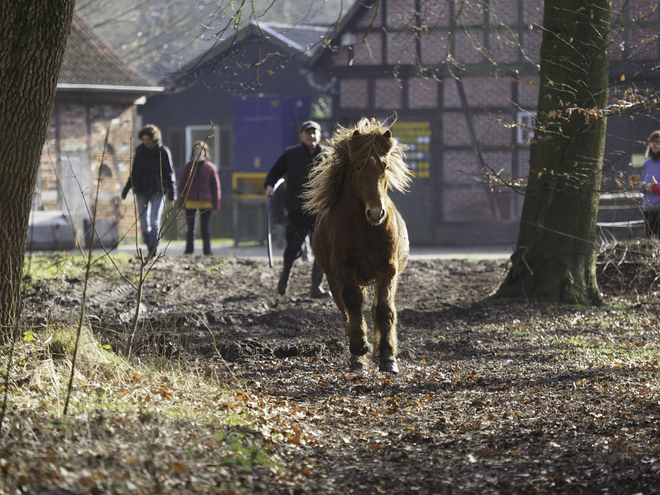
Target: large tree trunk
<point>555,254</point>
<point>33,35</point>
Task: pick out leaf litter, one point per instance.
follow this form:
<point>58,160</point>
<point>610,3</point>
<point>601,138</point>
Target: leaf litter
<point>235,389</point>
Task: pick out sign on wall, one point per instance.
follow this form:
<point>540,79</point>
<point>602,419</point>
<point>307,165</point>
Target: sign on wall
<point>417,137</point>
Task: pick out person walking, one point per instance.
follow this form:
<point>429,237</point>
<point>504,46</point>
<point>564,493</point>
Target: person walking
<point>199,191</point>
<point>647,185</point>
<point>297,162</point>
<point>152,178</point>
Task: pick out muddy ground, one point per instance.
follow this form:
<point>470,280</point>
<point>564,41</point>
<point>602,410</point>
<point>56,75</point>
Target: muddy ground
<point>491,398</point>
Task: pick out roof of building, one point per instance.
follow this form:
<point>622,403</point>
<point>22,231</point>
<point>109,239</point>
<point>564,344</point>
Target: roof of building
<point>336,30</point>
<point>295,40</point>
<point>89,62</point>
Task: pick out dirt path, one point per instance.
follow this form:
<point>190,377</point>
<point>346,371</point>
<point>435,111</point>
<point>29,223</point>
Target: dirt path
<point>517,398</point>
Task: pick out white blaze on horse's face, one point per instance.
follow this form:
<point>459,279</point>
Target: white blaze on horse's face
<point>371,183</point>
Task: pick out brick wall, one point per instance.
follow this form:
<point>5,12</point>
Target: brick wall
<point>533,11</point>
<point>340,57</point>
<point>461,167</point>
<point>435,13</point>
<point>503,46</point>
<point>353,93</point>
<point>455,131</point>
<point>370,51</point>
<point>472,13</point>
<point>400,12</point>
<point>484,92</point>
<point>463,199</point>
<point>450,94</point>
<point>434,47</point>
<point>528,91</point>
<point>388,94</point>
<point>532,39</point>
<point>467,204</point>
<point>83,130</point>
<point>490,130</point>
<point>422,93</point>
<point>504,12</point>
<point>401,48</point>
<point>497,161</point>
<point>468,46</point>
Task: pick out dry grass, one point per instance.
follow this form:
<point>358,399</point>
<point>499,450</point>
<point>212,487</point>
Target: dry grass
<point>132,427</point>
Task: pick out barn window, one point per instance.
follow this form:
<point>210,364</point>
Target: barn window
<point>526,122</point>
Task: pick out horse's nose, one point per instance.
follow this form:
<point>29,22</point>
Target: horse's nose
<point>375,214</point>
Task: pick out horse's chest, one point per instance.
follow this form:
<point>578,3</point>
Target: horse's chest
<point>366,264</point>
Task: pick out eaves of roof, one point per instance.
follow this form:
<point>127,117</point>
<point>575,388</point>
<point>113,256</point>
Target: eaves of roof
<point>337,29</point>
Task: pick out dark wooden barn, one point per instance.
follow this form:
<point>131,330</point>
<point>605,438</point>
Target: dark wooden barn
<point>245,97</point>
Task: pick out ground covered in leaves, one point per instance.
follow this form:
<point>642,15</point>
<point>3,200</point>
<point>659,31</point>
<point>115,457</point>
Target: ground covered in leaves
<point>234,389</point>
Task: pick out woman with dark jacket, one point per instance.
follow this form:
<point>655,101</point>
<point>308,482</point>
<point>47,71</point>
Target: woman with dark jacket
<point>152,177</point>
<point>199,191</point>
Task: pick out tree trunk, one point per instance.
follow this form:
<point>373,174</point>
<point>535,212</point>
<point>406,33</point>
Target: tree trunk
<point>555,256</point>
<point>34,34</point>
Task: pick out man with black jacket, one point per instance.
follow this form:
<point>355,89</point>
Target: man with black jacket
<point>297,162</point>
<point>152,177</point>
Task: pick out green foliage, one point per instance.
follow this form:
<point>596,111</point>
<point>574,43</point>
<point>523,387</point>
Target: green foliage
<point>60,265</point>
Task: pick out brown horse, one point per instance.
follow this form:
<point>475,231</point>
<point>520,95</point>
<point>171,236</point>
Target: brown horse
<point>360,238</point>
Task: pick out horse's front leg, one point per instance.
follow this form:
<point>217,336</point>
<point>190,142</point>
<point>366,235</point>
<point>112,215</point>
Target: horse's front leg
<point>383,314</point>
<point>353,300</point>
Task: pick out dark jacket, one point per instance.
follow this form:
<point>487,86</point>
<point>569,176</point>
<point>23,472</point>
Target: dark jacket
<point>203,186</point>
<point>296,162</point>
<point>146,172</point>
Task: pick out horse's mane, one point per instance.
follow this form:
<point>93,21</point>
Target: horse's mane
<point>354,145</point>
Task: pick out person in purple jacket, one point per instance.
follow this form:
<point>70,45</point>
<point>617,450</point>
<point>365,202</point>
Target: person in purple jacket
<point>199,193</point>
<point>649,186</point>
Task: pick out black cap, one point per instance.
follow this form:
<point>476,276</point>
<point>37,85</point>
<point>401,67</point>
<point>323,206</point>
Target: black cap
<point>309,123</point>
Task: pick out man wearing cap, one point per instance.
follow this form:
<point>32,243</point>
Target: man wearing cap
<point>297,162</point>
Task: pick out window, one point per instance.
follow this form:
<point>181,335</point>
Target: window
<point>526,122</point>
<point>204,133</point>
<point>219,140</point>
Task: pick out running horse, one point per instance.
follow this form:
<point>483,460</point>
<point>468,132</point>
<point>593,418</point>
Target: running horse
<point>360,239</point>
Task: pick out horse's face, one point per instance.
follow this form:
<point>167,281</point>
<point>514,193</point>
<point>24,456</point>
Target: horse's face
<point>370,178</point>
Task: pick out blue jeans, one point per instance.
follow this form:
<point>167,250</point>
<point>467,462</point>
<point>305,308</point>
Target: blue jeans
<point>150,209</point>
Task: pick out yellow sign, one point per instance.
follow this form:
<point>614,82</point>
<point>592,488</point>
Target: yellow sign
<point>417,137</point>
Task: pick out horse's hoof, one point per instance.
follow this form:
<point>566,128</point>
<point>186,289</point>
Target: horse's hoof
<point>361,349</point>
<point>358,364</point>
<point>388,364</point>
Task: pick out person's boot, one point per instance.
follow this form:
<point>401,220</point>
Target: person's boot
<point>317,277</point>
<point>284,278</point>
<point>190,241</point>
<point>207,246</point>
<point>190,248</point>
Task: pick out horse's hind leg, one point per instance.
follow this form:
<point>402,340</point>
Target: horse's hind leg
<point>383,314</point>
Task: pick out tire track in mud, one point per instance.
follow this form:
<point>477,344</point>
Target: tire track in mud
<point>112,296</point>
